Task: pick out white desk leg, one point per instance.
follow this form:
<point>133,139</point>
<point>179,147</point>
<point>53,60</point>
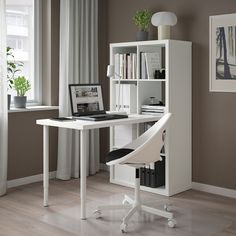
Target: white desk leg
<point>83,155</point>
<point>45,164</point>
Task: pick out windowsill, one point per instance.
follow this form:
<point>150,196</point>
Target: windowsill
<point>33,108</point>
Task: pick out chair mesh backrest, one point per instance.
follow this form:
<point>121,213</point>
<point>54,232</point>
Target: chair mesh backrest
<point>147,147</point>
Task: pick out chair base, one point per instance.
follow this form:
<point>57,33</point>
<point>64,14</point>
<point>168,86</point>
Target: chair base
<point>134,206</point>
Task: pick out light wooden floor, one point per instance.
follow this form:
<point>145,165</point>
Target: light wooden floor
<point>197,213</point>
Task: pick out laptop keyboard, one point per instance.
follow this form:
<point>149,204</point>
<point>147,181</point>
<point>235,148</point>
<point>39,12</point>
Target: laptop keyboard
<point>100,117</point>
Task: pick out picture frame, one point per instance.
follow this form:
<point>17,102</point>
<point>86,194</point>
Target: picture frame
<point>222,53</point>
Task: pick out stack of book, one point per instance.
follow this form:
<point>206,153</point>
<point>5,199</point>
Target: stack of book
<point>126,103</point>
<point>153,110</point>
<point>126,65</point>
<point>150,62</point>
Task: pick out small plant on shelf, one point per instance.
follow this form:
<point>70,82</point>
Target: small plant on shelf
<point>142,20</point>
<point>21,85</point>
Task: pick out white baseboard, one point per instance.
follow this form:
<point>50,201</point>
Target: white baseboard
<point>37,178</point>
<point>215,190</point>
<point>104,167</point>
<point>196,186</point>
<point>29,180</point>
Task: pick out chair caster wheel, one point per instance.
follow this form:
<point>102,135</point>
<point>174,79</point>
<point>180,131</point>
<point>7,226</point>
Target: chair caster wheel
<point>123,228</point>
<point>172,223</point>
<point>167,207</point>
<point>97,214</point>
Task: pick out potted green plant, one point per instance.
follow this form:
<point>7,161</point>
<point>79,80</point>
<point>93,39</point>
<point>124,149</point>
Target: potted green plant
<point>21,85</point>
<point>12,68</point>
<point>142,20</point>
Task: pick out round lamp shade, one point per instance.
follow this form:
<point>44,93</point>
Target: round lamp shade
<point>164,18</point>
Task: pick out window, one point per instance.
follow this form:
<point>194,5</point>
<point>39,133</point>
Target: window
<point>23,31</point>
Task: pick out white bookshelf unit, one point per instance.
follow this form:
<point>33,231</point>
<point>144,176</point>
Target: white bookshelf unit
<point>175,91</point>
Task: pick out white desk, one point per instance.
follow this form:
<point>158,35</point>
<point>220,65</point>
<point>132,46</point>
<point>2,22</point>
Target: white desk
<point>83,126</point>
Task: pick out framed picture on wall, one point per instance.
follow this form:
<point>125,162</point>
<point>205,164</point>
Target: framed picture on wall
<point>223,53</point>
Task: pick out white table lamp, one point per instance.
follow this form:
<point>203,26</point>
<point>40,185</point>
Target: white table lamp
<point>110,71</point>
<point>163,20</point>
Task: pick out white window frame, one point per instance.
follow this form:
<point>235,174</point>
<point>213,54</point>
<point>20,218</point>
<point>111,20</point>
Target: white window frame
<point>37,53</point>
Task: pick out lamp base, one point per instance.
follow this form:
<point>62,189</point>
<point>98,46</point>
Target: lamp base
<point>163,32</point>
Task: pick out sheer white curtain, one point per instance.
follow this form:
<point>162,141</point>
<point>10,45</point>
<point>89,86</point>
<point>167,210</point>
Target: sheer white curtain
<point>78,64</point>
<point>3,102</point>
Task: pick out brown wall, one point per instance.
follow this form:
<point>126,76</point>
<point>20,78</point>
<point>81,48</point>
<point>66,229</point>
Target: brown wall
<point>103,59</point>
<point>214,114</point>
<point>25,144</point>
<point>50,51</point>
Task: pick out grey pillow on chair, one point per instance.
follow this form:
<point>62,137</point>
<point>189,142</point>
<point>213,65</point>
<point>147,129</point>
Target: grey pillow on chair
<point>116,154</point>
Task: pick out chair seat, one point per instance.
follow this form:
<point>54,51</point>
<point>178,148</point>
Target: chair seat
<point>116,154</point>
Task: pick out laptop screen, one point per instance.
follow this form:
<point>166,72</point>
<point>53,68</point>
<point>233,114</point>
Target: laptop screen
<point>86,99</point>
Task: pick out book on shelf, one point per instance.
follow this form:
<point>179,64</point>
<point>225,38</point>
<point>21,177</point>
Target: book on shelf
<point>153,107</point>
<point>150,110</point>
<point>143,69</point>
<point>129,67</point>
<point>125,65</point>
<point>134,65</point>
<point>127,92</point>
<point>152,113</point>
<point>121,64</point>
<point>117,66</point>
<point>153,63</point>
<point>124,134</point>
<point>149,63</point>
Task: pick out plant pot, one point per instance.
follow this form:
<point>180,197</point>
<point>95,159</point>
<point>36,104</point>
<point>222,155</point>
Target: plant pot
<point>142,35</point>
<point>9,101</point>
<point>20,101</point>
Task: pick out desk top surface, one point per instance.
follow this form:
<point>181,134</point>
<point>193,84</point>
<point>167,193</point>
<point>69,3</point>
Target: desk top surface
<point>86,125</point>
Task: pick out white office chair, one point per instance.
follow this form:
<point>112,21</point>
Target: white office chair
<point>139,153</point>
